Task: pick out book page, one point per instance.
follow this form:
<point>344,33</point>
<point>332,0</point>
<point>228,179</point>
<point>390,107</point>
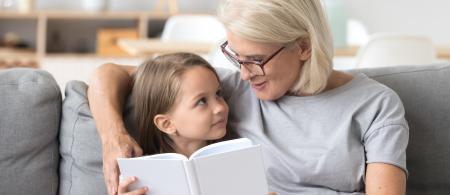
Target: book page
<point>174,156</point>
<point>162,176</point>
<point>222,147</point>
<point>238,172</point>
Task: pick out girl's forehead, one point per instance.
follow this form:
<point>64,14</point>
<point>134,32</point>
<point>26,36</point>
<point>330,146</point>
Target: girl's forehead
<point>198,78</point>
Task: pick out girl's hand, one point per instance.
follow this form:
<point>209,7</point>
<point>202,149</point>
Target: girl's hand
<point>123,187</point>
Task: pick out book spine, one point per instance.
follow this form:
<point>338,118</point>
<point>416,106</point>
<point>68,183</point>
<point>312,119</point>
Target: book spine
<point>192,178</point>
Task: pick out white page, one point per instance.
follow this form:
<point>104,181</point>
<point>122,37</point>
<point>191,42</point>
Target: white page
<point>239,172</point>
<point>222,147</point>
<point>162,176</point>
<point>173,156</point>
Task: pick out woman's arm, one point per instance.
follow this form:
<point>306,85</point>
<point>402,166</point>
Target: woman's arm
<point>385,179</point>
<point>109,87</point>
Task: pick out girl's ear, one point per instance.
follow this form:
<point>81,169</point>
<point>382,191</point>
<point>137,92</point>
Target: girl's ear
<point>304,45</point>
<point>163,123</point>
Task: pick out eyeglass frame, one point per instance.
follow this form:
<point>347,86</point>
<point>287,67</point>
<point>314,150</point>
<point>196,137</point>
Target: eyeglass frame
<point>235,60</point>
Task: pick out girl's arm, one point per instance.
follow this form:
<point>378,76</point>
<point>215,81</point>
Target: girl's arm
<point>109,87</point>
<point>385,179</point>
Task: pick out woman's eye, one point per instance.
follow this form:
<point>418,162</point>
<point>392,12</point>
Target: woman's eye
<point>201,101</point>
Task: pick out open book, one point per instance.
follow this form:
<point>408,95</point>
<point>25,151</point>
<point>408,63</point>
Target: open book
<point>233,167</point>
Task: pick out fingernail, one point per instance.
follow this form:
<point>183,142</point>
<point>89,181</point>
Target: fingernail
<point>133,178</point>
<point>113,190</point>
<point>146,189</point>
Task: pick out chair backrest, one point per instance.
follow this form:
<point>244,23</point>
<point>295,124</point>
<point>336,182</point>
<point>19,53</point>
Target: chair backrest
<point>394,50</point>
<point>193,28</point>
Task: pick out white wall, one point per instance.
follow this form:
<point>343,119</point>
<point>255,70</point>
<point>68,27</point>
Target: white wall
<point>430,17</point>
<point>424,17</point>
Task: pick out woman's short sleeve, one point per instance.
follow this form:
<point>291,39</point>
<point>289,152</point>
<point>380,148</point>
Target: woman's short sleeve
<point>386,140</point>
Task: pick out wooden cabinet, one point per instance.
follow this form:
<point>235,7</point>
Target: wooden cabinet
<point>105,45</point>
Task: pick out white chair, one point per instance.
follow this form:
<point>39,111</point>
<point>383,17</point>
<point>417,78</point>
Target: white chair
<point>193,28</point>
<point>357,33</point>
<point>394,50</point>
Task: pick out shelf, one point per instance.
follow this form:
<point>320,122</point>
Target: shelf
<point>18,15</point>
<point>11,53</point>
<point>83,55</point>
<point>146,47</point>
<point>117,15</point>
<point>44,18</point>
<point>442,52</point>
<point>10,58</point>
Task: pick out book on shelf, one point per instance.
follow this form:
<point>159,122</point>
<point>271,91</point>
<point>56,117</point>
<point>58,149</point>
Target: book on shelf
<point>233,167</point>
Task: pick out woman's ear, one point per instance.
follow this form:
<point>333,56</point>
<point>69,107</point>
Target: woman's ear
<point>163,123</point>
<point>304,45</point>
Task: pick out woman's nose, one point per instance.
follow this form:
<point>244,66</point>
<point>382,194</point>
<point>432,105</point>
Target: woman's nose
<point>245,74</point>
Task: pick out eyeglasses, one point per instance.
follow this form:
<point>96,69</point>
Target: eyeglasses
<point>255,67</point>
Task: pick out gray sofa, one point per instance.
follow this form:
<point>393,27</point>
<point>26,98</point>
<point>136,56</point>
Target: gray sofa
<point>51,147</point>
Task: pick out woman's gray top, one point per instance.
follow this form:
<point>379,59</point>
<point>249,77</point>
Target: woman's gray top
<point>321,144</point>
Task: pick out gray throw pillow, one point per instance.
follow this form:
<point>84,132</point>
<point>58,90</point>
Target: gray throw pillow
<point>81,168</point>
<point>30,108</point>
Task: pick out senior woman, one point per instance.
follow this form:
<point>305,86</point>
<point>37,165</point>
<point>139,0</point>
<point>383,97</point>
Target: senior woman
<point>323,131</point>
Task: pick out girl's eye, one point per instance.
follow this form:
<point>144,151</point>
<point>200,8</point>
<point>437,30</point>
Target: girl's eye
<point>219,93</point>
<point>201,101</point>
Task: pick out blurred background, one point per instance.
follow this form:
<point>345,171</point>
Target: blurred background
<point>71,38</point>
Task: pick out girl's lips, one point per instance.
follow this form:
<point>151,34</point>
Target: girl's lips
<point>221,123</point>
<point>259,86</point>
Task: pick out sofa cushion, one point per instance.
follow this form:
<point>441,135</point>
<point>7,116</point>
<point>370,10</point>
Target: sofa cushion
<point>30,107</point>
<point>81,167</point>
<point>425,92</point>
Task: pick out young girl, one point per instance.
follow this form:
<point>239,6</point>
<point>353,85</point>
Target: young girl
<point>178,107</point>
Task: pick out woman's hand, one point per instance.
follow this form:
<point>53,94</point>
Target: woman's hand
<point>272,193</point>
<point>120,145</point>
<point>109,87</point>
<point>123,187</point>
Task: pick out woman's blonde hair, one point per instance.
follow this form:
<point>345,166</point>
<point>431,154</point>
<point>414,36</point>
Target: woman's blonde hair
<point>156,87</point>
<point>285,22</point>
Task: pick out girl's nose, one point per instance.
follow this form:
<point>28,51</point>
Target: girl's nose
<point>220,107</point>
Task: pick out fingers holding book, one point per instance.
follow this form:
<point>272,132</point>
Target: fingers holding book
<point>125,183</point>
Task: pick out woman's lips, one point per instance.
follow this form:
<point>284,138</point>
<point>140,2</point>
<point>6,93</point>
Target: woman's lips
<point>259,86</point>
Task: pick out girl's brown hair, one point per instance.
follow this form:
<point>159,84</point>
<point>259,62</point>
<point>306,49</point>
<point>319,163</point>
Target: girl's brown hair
<point>155,89</point>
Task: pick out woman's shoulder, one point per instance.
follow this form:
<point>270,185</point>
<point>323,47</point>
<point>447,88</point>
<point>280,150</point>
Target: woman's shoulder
<point>370,89</point>
<point>353,85</point>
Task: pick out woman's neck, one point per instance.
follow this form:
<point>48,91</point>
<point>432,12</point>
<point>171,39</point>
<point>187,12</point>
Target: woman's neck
<point>187,147</point>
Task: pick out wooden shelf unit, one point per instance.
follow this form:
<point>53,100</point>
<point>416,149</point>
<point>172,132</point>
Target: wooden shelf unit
<point>42,18</point>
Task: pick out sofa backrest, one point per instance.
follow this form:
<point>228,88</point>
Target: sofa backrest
<point>425,92</point>
<point>81,167</point>
<point>30,108</point>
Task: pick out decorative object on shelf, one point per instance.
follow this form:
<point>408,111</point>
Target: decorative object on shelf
<point>95,5</point>
<point>172,6</point>
<point>10,58</point>
<point>338,22</point>
<point>26,5</point>
<point>6,5</point>
<point>107,40</point>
